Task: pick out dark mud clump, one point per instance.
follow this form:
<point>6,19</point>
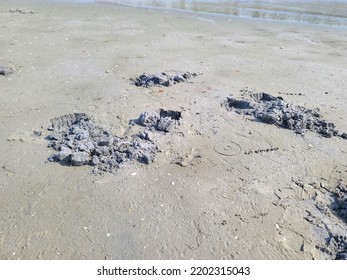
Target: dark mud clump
<point>78,140</point>
<point>274,110</point>
<point>175,115</point>
<point>5,71</point>
<point>240,104</point>
<point>20,11</point>
<point>336,247</point>
<point>163,79</point>
<point>339,204</point>
<point>164,121</point>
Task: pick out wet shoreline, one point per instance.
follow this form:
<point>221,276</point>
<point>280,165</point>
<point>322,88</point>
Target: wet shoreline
<point>316,13</point>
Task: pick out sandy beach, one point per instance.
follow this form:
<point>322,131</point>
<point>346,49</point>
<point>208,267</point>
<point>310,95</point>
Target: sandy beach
<point>223,202</point>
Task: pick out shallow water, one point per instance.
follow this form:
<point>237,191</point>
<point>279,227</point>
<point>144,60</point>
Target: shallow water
<point>326,12</point>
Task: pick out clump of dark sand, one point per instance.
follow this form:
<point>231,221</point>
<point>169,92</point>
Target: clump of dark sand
<point>20,11</point>
<point>163,79</point>
<point>339,205</point>
<point>274,110</point>
<point>5,71</point>
<point>162,121</point>
<point>78,140</point>
<point>336,247</point>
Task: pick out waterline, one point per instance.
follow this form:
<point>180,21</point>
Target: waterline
<point>328,12</point>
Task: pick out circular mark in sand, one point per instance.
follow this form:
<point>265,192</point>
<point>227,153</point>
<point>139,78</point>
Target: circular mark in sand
<point>227,148</point>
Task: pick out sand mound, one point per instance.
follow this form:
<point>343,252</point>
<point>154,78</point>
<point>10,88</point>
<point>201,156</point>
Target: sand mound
<point>5,71</point>
<point>274,110</point>
<point>164,121</point>
<point>163,79</point>
<point>78,140</point>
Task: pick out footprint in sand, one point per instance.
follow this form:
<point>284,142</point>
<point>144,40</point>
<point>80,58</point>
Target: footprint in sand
<point>190,159</point>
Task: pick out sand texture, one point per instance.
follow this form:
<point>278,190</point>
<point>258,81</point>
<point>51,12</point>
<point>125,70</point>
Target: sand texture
<point>222,184</point>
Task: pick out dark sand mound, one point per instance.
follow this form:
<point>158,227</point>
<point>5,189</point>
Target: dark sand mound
<point>162,121</point>
<point>274,110</point>
<point>78,140</point>
<point>5,71</point>
<point>163,79</point>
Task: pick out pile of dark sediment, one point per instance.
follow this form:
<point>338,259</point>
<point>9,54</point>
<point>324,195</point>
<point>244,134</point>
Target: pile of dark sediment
<point>163,79</point>
<point>5,71</point>
<point>336,247</point>
<point>20,11</point>
<point>274,110</point>
<point>339,205</point>
<point>162,121</point>
<point>78,140</point>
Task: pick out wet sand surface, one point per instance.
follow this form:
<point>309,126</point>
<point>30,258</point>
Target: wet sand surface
<point>223,202</point>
